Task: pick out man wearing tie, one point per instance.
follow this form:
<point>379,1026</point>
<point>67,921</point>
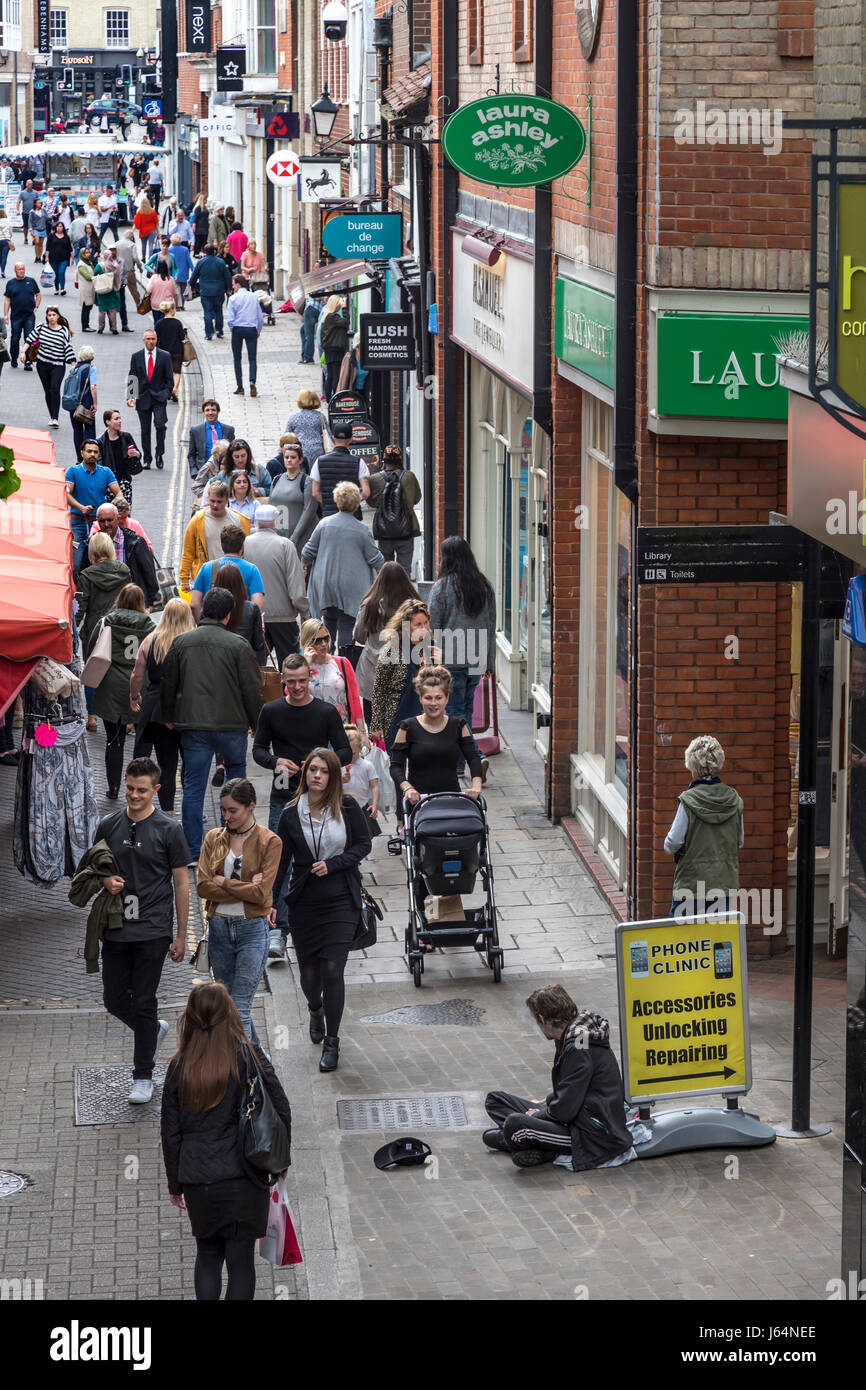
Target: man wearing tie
<point>151,381</point>
<point>203,437</point>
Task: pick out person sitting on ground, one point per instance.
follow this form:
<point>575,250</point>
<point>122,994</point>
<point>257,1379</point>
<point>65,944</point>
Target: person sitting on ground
<point>584,1116</point>
<point>707,834</point>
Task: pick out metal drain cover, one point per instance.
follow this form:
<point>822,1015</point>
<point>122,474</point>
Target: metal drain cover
<point>10,1182</point>
<point>408,1112</point>
<point>460,1013</point>
<point>101,1096</point>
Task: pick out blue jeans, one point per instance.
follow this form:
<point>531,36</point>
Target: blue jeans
<point>80,536</point>
<point>238,950</point>
<point>200,746</point>
<point>463,684</point>
<point>60,268</point>
<point>212,308</point>
<point>18,329</point>
<point>5,248</point>
<point>275,810</point>
<point>251,338</point>
<point>308,334</point>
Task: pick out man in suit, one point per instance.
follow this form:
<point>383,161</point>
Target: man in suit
<point>203,437</point>
<point>151,382</point>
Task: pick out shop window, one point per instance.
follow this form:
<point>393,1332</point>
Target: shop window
<point>475,31</point>
<point>117,28</point>
<point>522,30</point>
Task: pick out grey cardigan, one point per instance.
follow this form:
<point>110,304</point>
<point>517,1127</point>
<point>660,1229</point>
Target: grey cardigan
<point>446,616</point>
<point>347,560</point>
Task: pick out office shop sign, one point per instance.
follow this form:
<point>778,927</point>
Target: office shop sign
<point>512,140</point>
<point>387,342</point>
<point>723,366</point>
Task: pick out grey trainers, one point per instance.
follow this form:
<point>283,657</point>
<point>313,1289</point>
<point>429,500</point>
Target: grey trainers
<point>495,1139</point>
<point>276,945</point>
<point>141,1093</point>
<point>160,1039</point>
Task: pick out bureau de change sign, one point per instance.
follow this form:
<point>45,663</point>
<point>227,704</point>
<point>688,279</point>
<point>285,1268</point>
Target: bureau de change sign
<point>683,1007</point>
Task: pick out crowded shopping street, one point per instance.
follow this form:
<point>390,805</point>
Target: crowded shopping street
<point>409,695</point>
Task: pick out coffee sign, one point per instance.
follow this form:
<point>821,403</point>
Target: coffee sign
<point>513,141</point>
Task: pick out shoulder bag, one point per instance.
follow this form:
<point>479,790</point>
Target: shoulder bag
<point>86,414</point>
<point>264,1140</point>
<point>272,681</point>
<point>371,913</point>
<point>189,352</point>
<point>97,664</point>
<point>144,306</point>
<point>103,283</point>
<point>33,351</point>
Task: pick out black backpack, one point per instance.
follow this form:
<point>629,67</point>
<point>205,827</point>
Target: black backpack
<point>392,518</point>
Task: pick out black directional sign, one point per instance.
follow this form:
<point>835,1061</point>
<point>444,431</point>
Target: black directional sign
<point>719,554</point>
<point>388,342</point>
<point>231,67</point>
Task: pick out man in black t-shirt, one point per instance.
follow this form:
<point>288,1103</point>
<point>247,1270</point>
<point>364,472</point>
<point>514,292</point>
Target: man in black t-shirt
<point>22,299</point>
<point>287,731</point>
<point>152,854</point>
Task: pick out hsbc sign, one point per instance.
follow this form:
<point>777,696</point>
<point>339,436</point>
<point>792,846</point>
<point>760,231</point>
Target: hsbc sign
<point>387,342</point>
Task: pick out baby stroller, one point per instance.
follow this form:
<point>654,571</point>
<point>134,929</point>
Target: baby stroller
<point>446,846</point>
<point>261,288</point>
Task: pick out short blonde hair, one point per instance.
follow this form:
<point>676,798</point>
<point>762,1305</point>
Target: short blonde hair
<point>309,628</point>
<point>705,756</point>
<point>353,734</point>
<point>308,400</point>
<point>347,497</point>
<point>166,306</point>
<point>100,547</point>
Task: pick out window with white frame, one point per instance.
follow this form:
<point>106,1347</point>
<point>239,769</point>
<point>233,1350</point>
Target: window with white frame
<point>59,28</point>
<point>10,25</point>
<point>263,36</point>
<point>117,28</point>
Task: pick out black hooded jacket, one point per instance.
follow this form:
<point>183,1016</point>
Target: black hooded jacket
<point>587,1095</point>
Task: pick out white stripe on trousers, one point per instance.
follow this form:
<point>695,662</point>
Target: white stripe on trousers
<point>544,1137</point>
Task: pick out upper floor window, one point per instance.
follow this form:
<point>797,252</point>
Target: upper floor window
<point>59,27</point>
<point>522,31</point>
<point>117,28</point>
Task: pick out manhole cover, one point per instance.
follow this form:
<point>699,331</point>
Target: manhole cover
<point>10,1183</point>
<point>101,1096</point>
<point>407,1112</point>
<point>460,1013</point>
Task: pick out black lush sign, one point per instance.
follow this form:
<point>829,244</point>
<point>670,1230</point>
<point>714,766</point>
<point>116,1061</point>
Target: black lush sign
<point>388,342</point>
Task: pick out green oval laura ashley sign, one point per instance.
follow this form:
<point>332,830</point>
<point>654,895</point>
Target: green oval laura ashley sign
<point>512,140</point>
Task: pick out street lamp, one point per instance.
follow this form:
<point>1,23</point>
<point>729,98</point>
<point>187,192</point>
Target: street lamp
<point>324,112</point>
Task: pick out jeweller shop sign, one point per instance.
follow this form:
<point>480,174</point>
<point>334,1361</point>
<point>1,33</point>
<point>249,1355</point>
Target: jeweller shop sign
<point>512,140</point>
<point>491,307</point>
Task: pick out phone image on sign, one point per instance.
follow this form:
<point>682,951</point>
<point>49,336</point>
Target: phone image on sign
<point>723,960</point>
<point>638,955</point>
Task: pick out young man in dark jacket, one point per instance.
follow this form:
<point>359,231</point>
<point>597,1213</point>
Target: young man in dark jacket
<point>584,1115</point>
<point>212,276</point>
<point>210,691</point>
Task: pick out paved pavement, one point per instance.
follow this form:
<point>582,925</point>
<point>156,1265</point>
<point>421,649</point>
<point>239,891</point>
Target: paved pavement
<point>96,1221</point>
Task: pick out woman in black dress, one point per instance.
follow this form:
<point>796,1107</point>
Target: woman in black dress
<point>153,732</point>
<point>433,744</point>
<point>325,837</point>
<point>170,336</point>
<point>201,1101</point>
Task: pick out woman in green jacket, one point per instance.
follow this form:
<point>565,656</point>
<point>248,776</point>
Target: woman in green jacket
<point>98,588</point>
<point>129,625</point>
<point>108,302</point>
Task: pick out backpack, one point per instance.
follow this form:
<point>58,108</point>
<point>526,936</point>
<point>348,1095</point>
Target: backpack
<point>73,386</point>
<point>392,517</point>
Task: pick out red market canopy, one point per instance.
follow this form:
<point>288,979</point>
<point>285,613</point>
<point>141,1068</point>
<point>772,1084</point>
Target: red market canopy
<point>36,586</point>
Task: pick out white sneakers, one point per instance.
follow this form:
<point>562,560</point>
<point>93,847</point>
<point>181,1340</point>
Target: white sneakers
<point>54,425</point>
<point>160,1039</point>
<point>141,1093</point>
<point>142,1090</point>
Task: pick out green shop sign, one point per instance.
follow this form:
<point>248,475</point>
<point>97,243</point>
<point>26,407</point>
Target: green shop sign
<point>850,374</point>
<point>513,141</point>
<point>723,366</point>
<point>583,329</point>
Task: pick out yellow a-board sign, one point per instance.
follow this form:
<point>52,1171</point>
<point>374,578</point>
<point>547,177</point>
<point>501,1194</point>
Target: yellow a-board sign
<point>683,1007</point>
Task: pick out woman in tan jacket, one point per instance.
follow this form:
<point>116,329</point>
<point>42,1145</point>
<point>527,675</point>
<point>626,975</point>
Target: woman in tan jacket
<point>236,871</point>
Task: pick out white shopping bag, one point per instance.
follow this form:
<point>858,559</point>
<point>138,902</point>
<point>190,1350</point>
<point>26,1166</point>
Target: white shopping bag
<point>280,1245</point>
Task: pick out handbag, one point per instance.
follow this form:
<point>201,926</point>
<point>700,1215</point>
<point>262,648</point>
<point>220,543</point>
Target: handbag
<point>264,1139</point>
<point>189,352</point>
<point>371,913</point>
<point>166,580</point>
<point>144,306</point>
<point>84,413</point>
<point>33,351</point>
<point>280,1245</point>
<point>97,664</point>
<point>272,683</point>
<point>53,680</point>
<point>103,283</point>
<point>200,958</point>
